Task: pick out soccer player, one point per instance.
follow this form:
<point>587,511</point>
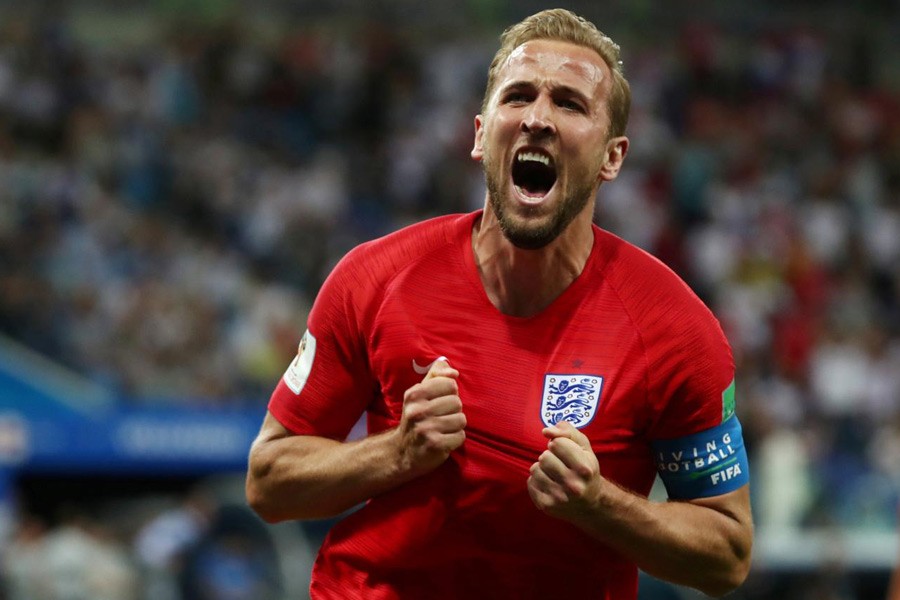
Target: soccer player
<point>525,376</point>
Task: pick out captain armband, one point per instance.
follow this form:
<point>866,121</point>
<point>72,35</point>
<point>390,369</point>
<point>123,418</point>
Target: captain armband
<point>704,464</point>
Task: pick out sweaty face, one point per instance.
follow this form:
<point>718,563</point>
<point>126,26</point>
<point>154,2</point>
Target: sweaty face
<point>542,139</point>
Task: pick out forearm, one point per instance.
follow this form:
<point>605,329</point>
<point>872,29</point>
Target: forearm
<point>685,543</point>
<point>304,477</point>
<point>308,477</point>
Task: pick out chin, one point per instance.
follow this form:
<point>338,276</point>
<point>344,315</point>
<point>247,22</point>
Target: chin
<point>529,236</point>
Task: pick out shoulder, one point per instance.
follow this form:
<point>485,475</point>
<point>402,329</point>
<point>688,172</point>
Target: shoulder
<point>372,265</point>
<point>354,288</point>
<point>646,286</point>
<point>393,252</point>
<point>688,361</point>
<point>673,321</point>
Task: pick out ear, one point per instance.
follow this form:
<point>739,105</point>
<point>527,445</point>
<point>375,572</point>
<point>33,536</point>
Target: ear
<point>616,149</point>
<point>478,148</point>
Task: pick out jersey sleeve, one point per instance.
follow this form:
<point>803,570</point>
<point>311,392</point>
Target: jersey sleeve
<point>695,436</point>
<point>328,385</point>
<point>690,367</point>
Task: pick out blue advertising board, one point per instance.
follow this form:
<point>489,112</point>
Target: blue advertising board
<point>51,420</point>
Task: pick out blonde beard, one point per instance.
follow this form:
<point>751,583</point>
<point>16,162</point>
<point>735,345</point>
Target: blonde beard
<point>533,237</point>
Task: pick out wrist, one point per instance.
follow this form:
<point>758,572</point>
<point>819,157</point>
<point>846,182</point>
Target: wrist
<point>398,460</point>
<point>606,508</point>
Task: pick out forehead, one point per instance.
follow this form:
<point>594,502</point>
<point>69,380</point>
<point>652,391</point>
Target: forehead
<point>554,60</point>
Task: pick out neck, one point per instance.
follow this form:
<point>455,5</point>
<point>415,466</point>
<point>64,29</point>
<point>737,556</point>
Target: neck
<point>521,283</point>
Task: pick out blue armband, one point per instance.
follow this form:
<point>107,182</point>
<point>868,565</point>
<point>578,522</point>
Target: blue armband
<point>704,464</point>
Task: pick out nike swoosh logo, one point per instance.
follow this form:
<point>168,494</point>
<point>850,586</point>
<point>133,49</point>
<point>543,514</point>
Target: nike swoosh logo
<point>424,370</point>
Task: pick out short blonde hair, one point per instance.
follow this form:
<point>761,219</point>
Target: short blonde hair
<point>565,26</point>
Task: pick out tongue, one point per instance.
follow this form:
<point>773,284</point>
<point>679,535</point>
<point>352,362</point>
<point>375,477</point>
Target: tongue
<point>532,193</point>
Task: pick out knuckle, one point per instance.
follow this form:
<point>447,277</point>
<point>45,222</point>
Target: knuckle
<point>413,411</point>
<point>460,438</point>
<point>585,471</point>
<point>444,386</point>
<point>574,486</point>
<point>432,439</point>
<point>412,393</point>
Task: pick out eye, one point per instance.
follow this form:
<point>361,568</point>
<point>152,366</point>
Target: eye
<point>516,97</point>
<point>570,104</point>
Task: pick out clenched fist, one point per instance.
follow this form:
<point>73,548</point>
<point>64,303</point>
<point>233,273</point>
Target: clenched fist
<point>432,424</point>
<point>565,481</point>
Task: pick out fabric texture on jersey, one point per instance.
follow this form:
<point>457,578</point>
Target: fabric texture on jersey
<point>469,529</point>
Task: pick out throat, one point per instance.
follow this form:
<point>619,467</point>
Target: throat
<point>523,283</point>
<point>521,300</point>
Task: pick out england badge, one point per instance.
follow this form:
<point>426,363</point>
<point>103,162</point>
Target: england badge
<point>572,398</point>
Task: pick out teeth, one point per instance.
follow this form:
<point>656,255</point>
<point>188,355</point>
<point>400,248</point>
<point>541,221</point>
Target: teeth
<point>533,156</point>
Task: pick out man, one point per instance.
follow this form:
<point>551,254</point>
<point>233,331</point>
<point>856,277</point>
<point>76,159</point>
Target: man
<point>563,368</point>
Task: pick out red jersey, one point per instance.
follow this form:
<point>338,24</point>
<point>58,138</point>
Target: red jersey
<point>627,353</point>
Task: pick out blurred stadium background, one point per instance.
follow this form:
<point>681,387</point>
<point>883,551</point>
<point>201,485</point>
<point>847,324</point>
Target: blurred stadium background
<point>177,177</point>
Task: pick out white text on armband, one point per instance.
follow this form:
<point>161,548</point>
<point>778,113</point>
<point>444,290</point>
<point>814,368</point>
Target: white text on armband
<point>708,463</point>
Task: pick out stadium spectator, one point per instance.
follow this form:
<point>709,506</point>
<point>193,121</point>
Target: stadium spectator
<point>163,543</point>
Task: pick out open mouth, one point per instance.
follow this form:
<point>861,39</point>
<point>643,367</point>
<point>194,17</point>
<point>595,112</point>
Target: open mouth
<point>533,173</point>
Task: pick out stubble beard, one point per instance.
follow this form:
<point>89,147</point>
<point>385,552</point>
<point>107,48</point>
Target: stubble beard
<point>527,235</point>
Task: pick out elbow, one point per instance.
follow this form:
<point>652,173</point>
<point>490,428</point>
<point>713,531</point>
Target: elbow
<point>269,509</point>
<point>260,498</point>
<point>259,502</point>
<point>273,500</point>
<point>725,584</point>
<point>730,576</point>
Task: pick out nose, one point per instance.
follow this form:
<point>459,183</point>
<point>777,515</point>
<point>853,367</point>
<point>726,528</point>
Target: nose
<point>538,117</point>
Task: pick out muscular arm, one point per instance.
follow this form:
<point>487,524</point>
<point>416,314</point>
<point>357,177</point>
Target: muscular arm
<point>307,477</point>
<point>703,543</point>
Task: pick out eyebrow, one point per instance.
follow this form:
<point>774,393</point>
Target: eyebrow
<point>566,90</point>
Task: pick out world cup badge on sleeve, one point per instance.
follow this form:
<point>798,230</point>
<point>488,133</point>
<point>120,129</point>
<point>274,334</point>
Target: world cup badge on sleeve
<point>572,398</point>
<point>298,372</point>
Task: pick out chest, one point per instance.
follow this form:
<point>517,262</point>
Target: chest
<point>582,362</point>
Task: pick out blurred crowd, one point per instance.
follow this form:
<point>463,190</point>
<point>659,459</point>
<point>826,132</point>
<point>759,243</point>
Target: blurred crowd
<point>170,203</point>
<point>189,547</point>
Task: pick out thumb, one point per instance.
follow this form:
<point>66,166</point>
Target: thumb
<point>567,430</point>
<point>441,368</point>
